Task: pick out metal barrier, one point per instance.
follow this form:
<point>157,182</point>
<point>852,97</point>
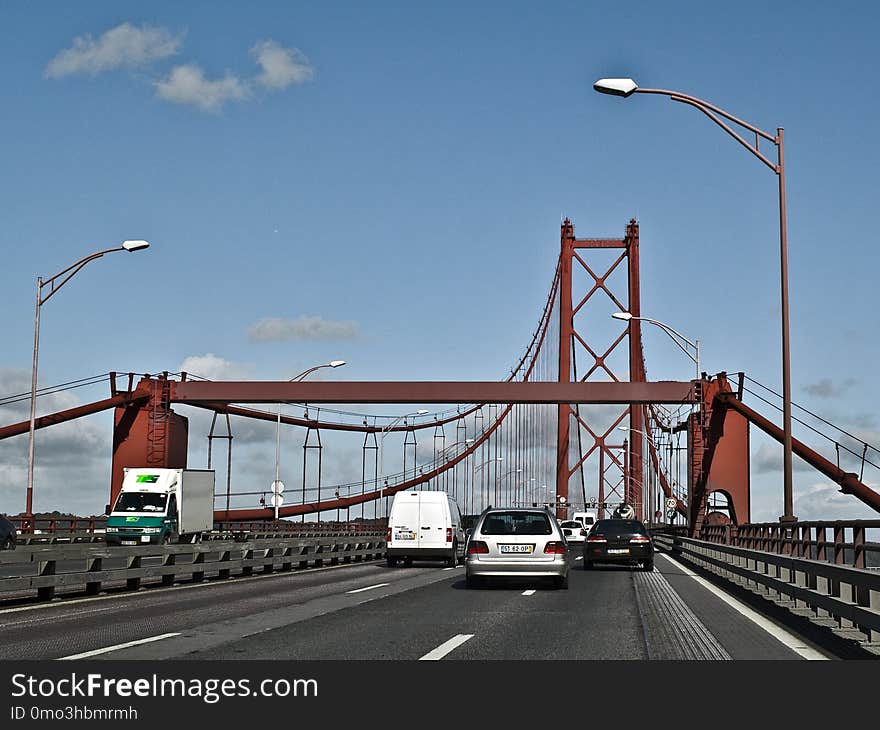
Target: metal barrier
<point>40,570</point>
<point>845,599</point>
<point>847,545</point>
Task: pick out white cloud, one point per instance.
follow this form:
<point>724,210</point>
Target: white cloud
<point>769,459</point>
<point>212,367</point>
<point>275,329</point>
<point>188,85</point>
<point>281,66</point>
<point>827,388</point>
<point>125,46</point>
<point>825,501</point>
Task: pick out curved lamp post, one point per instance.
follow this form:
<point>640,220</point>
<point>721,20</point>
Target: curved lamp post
<point>276,496</point>
<point>675,336</point>
<point>627,87</point>
<point>54,283</point>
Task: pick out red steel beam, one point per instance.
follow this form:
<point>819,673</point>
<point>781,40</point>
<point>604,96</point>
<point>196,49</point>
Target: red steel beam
<point>70,414</point>
<point>666,391</point>
<point>847,481</point>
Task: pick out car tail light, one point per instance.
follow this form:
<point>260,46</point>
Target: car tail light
<point>640,539</point>
<point>554,548</point>
<point>477,547</point>
<point>596,538</point>
<point>388,535</point>
<point>448,534</point>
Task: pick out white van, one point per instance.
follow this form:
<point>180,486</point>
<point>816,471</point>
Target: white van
<point>424,524</point>
<point>587,518</point>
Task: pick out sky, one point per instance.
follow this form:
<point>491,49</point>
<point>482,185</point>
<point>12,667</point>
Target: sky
<point>384,183</point>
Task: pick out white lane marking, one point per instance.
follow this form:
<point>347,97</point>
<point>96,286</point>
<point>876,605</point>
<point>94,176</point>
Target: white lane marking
<point>449,568</point>
<point>107,649</point>
<point>368,588</point>
<point>529,592</point>
<point>579,557</point>
<point>446,647</point>
<point>777,632</point>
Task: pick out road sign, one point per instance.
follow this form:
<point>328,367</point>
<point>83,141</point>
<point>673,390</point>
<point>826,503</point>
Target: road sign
<point>277,500</point>
<point>670,503</point>
<point>277,486</point>
<point>670,514</point>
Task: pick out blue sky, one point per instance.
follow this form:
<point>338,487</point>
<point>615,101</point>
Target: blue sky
<point>388,180</point>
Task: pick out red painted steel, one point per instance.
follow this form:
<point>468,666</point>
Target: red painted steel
<point>847,481</point>
<point>70,414</point>
<point>667,391</point>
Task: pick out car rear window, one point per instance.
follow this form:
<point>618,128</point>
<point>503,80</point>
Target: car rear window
<point>516,523</point>
<point>571,523</point>
<point>619,527</point>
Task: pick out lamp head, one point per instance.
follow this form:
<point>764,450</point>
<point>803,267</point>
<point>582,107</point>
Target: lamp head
<point>421,412</point>
<point>336,363</point>
<point>616,87</point>
<point>135,245</point>
<point>625,316</point>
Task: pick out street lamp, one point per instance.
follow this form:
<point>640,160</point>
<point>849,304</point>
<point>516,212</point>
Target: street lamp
<point>276,495</point>
<point>54,285</point>
<point>476,468</point>
<point>627,87</point>
<point>674,335</point>
<point>384,433</point>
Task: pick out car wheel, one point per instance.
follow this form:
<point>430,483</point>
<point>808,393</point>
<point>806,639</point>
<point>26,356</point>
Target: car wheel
<point>473,581</point>
<point>166,539</point>
<point>588,565</point>
<point>9,544</point>
<point>562,582</point>
<point>391,562</point>
<point>648,565</point>
<point>407,562</point>
<point>452,560</point>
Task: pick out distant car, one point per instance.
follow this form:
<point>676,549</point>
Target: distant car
<point>619,541</point>
<point>8,534</point>
<point>574,531</point>
<point>516,542</point>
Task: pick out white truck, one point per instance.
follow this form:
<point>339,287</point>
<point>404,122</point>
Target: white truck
<point>159,506</point>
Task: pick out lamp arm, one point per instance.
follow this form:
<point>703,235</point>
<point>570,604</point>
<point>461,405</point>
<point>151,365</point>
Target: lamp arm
<point>673,334</point>
<point>708,110</point>
<point>73,269</point>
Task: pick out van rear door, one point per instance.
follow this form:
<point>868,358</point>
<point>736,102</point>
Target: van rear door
<point>433,522</point>
<point>405,521</point>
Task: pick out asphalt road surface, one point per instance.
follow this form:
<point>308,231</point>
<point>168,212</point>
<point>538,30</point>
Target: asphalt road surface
<point>370,611</point>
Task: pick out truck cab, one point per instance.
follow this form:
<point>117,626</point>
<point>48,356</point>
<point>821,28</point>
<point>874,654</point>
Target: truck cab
<point>159,506</point>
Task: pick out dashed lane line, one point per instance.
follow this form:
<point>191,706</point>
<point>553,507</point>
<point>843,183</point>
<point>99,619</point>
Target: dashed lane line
<point>107,649</point>
<point>446,647</point>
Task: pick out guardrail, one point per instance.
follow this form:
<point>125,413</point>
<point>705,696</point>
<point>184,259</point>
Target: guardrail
<point>843,598</point>
<point>91,529</point>
<point>847,545</point>
<point>42,569</point>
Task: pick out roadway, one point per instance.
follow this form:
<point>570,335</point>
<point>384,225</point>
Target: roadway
<point>370,611</point>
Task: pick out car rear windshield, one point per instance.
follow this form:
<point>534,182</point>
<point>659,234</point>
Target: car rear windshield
<point>571,523</point>
<point>619,527</point>
<point>516,523</point>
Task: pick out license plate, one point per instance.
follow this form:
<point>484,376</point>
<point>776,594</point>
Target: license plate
<point>515,548</point>
<point>129,542</point>
<point>618,551</point>
<point>405,536</point>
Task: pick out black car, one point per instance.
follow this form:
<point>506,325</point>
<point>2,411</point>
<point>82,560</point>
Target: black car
<point>619,541</point>
<point>8,534</point>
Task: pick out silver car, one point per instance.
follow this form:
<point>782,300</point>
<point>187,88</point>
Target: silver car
<point>512,542</point>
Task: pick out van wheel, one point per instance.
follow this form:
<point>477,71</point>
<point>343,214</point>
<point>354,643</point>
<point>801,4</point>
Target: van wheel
<point>648,566</point>
<point>588,565</point>
<point>9,544</point>
<point>407,562</point>
<point>452,560</point>
<point>391,562</point>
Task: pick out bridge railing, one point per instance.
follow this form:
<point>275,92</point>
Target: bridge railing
<point>40,570</point>
<point>52,530</point>
<point>840,542</point>
<point>846,599</point>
